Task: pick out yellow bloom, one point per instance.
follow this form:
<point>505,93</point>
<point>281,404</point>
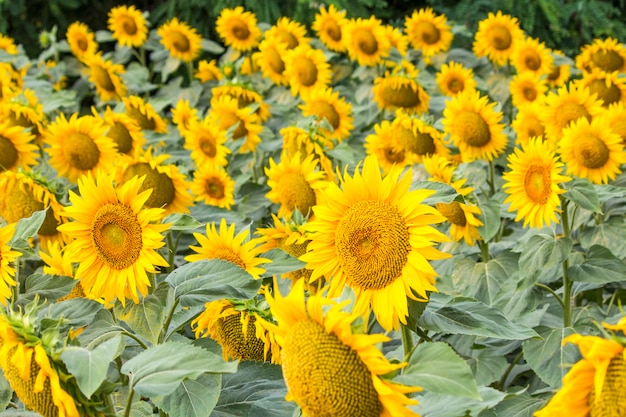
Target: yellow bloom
<point>244,123</point>
<point>454,78</point>
<point>206,141</point>
<point>270,60</point>
<point>183,116</point>
<point>58,261</point>
<point>238,29</point>
<point>384,144</point>
<point>428,32</point>
<point>81,40</point>
<point>17,149</point>
<point>7,258</point>
<point>609,87</point>
<point>608,55</point>
<point>366,41</point>
<point>462,219</point>
<point>399,89</point>
<point>441,169</point>
<point>559,73</point>
<point>496,37</point>
<point>417,137</point>
<point>208,71</point>
<point>144,114</point>
<point>532,55</point>
<point>125,132</point>
<point>7,44</point>
<point>180,40</point>
<point>307,70</point>
<point>397,39</point>
<point>245,96</point>
<point>128,26</point>
<point>615,117</point>
<point>288,32</point>
<point>324,103</point>
<point>527,87</point>
<point>106,76</point>
<point>299,141</point>
<point>328,26</point>
<point>213,186</point>
<point>26,111</point>
<point>527,123</point>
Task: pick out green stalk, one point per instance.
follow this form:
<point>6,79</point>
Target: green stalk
<point>129,402</point>
<point>407,342</point>
<point>567,283</point>
<point>492,178</point>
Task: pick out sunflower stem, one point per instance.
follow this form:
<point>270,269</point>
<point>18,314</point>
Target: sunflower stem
<point>129,402</point>
<point>407,341</point>
<point>135,338</point>
<point>168,321</point>
<point>551,291</point>
<point>190,71</point>
<point>567,282</point>
<point>508,371</point>
<point>491,181</point>
<point>484,250</point>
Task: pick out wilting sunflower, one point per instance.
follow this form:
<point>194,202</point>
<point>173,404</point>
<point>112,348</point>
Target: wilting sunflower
<point>609,87</point>
<point>7,44</point>
<point>128,26</point>
<point>454,78</point>
<point>324,103</point>
<point>224,245</point>
<point>144,114</point>
<point>441,169</point>
<point>270,60</point>
<point>417,137</point>
<point>288,32</point>
<point>180,40</point>
<point>532,183</point>
<point>26,111</point>
<point>608,54</point>
<point>238,29</point>
<point>124,131</point>
<point>366,41</point>
<point>206,141</point>
<point>399,89</point>
<point>115,239</point>
<point>590,150</point>
<point>532,55</point>
<point>106,76</point>
<point>375,236</point>
<point>527,123</point>
<point>474,126</point>
<point>245,96</point>
<point>213,186</point>
<point>462,219</point>
<point>79,145</point>
<point>208,71</point>
<point>307,70</point>
<point>328,26</point>
<point>615,117</point>
<point>16,148</point>
<point>81,40</point>
<point>428,32</point>
<point>183,116</point>
<point>8,256</point>
<point>527,87</point>
<point>384,144</point>
<point>316,342</point>
<point>496,37</point>
<point>244,123</point>
<point>234,325</point>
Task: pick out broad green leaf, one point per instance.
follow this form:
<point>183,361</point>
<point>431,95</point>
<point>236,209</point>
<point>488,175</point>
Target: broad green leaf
<point>170,66</point>
<point>145,318</point>
<point>444,193</point>
<point>549,358</point>
<point>490,217</point>
<point>193,397</point>
<point>522,405</point>
<point>211,46</point>
<point>160,369</point>
<point>487,366</point>
<point>89,367</point>
<point>343,152</point>
<point>438,369</point>
<point>610,235</point>
<point>600,267</point>
<point>181,221</point>
<point>282,262</point>
<point>57,99</point>
<point>539,253</point>
<point>6,392</point>
<point>487,278</point>
<point>441,405</point>
<point>77,312</point>
<point>47,287</point>
<point>102,328</point>
<point>19,413</point>
<point>581,192</point>
<point>25,229</point>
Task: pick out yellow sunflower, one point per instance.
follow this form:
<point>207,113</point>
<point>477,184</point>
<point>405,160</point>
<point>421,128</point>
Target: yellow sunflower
<point>299,141</point>
<point>245,96</point>
<point>462,219</point>
<point>224,245</point>
<point>125,132</point>
<point>106,76</point>
<point>26,111</point>
<point>17,149</point>
<point>384,144</point>
<point>115,238</point>
<point>8,87</point>
<point>81,40</point>
<point>454,78</point>
<point>128,26</point>
<point>58,261</point>
<point>294,184</point>
<point>417,137</point>
<point>316,340</point>
<point>366,41</point>
<point>270,60</point>
<point>399,89</point>
<point>397,39</point>
<point>528,124</point>
<point>180,40</point>
<point>183,116</point>
<point>238,29</point>
<point>532,55</point>
<point>206,141</point>
<point>208,71</point>
<point>532,183</point>
<point>8,257</point>
<point>374,235</point>
<point>559,75</point>
<point>288,32</point>
<point>144,114</point>
<point>7,44</point>
<point>615,117</point>
<point>428,32</point>
<point>441,169</point>
<point>307,70</point>
<point>324,103</point>
<point>609,87</point>
<point>527,87</point>
<point>244,123</point>
<point>474,126</point>
<point>213,186</point>
<point>590,150</point>
<point>608,54</point>
<point>328,26</point>
<point>497,37</point>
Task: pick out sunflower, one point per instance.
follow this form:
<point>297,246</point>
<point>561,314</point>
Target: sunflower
<point>307,70</point>
<point>128,26</point>
<point>316,342</point>
<point>462,219</point>
<point>16,148</point>
<point>324,103</point>
<point>590,150</point>
<point>106,76</point>
<point>115,239</point>
<point>245,96</point>
<point>532,55</point>
<point>417,137</point>
<point>328,26</point>
<point>441,169</point>
<point>609,87</point>
<point>375,236</point>
<point>180,40</point>
<point>206,141</point>
<point>244,123</point>
<point>7,44</point>
<point>7,258</point>
<point>497,37</point>
<point>144,114</point>
<point>238,29</point>
<point>169,186</point>
<point>213,186</point>
<point>399,89</point>
<point>527,123</point>
<point>208,71</point>
<point>58,261</point>
<point>474,126</point>
<point>288,32</point>
<point>608,55</point>
<point>454,78</point>
<point>428,32</point>
<point>302,142</point>
<point>81,40</point>
<point>26,111</point>
<point>527,87</point>
<point>270,60</point>
<point>384,144</point>
<point>615,117</point>
<point>366,41</point>
<point>226,246</point>
<point>79,145</point>
<point>397,39</point>
<point>183,116</point>
<point>124,131</point>
<point>8,87</point>
<point>559,75</point>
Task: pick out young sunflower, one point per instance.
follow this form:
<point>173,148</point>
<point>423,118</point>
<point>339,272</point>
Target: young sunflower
<point>106,77</point>
<point>79,145</point>
<point>245,96</point>
<point>183,116</point>
<point>324,103</point>
<point>17,149</point>
<point>288,32</point>
<point>454,78</point>
<point>115,238</point>
<point>307,70</point>
<point>244,123</point>
<point>315,342</point>
<point>213,186</point>
<point>474,126</point>
<point>128,26</point>
<point>180,40</point>
<point>527,87</point>
<point>375,236</point>
<point>7,44</point>
<point>532,55</point>
<point>8,257</point>
<point>590,150</point>
<point>144,114</point>
<point>428,32</point>
<point>462,219</point>
<point>496,37</point>
<point>399,89</point>
<point>208,71</point>
<point>206,141</point>
<point>532,183</point>
<point>81,40</point>
<point>223,244</point>
<point>238,29</point>
<point>609,87</point>
<point>328,26</point>
<point>386,147</point>
<point>270,61</point>
<point>24,110</point>
<point>417,137</point>
<point>608,54</point>
<point>527,123</point>
<point>366,41</point>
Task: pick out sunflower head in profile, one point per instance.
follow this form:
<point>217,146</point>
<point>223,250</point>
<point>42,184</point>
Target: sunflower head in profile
<point>374,235</point>
<point>270,61</point>
<point>608,55</point>
<point>180,40</point>
<point>7,44</point>
<point>366,41</point>
<point>183,115</point>
<point>324,103</point>
<point>307,70</point>
<point>115,238</point>
<point>144,114</point>
<point>527,87</point>
<point>238,29</point>
<point>497,37</point>
<point>474,126</point>
<point>428,32</point>
<point>288,32</point>
<point>328,26</point>
<point>462,219</point>
<point>25,110</point>
<point>208,71</point>
<point>245,96</point>
<point>384,144</point>
<point>609,87</point>
<point>417,137</point>
<point>106,77</point>
<point>213,186</point>
<point>8,257</point>
<point>453,78</point>
<point>316,340</point>
<point>527,123</point>
<point>128,26</point>
<point>206,141</point>
<point>441,169</point>
<point>17,148</point>
<point>225,245</point>
<point>238,122</point>
<point>81,40</point>
<point>399,89</point>
<point>532,55</point>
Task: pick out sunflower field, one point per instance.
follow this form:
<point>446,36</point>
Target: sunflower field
<point>345,218</point>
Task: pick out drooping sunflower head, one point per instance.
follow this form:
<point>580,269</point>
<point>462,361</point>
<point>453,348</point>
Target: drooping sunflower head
<point>245,96</point>
<point>144,114</point>
<point>608,55</point>
<point>183,115</point>
<point>17,148</point>
<point>238,28</point>
<point>7,44</point>
<point>324,103</point>
<point>208,71</point>
<point>128,26</point>
<point>106,77</point>
<point>428,32</point>
<point>609,87</point>
<point>240,123</point>
<point>206,141</point>
<point>180,40</point>
<point>81,40</point>
<point>307,70</point>
<point>527,87</point>
<point>527,123</point>
<point>532,55</point>
<point>288,32</point>
<point>270,60</point>
<point>8,257</point>
<point>462,219</point>
<point>417,137</point>
<point>496,37</point>
<point>328,26</point>
<point>384,144</point>
<point>366,41</point>
<point>400,90</point>
<point>213,186</point>
<point>454,78</point>
<point>125,132</point>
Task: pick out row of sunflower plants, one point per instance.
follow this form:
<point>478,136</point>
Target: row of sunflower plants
<point>350,219</point>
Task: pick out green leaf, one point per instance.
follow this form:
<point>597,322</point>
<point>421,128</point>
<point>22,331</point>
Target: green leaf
<point>343,152</point>
<point>25,229</point>
<point>441,405</point>
<point>487,366</point>
<point>160,369</point>
<point>542,251</point>
<point>103,327</point>
<point>77,312</point>
<point>522,405</point>
<point>47,287</point>
<point>6,392</point>
<point>193,397</point>
<point>491,219</point>
<point>145,318</point>
<point>610,235</point>
<point>438,369</point>
<point>211,46</point>
<point>444,193</point>
<point>581,192</point>
<point>89,367</point>
<point>282,262</point>
<point>181,221</point>
<point>549,358</point>
<point>600,267</point>
<point>488,278</point>
<point>196,283</point>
